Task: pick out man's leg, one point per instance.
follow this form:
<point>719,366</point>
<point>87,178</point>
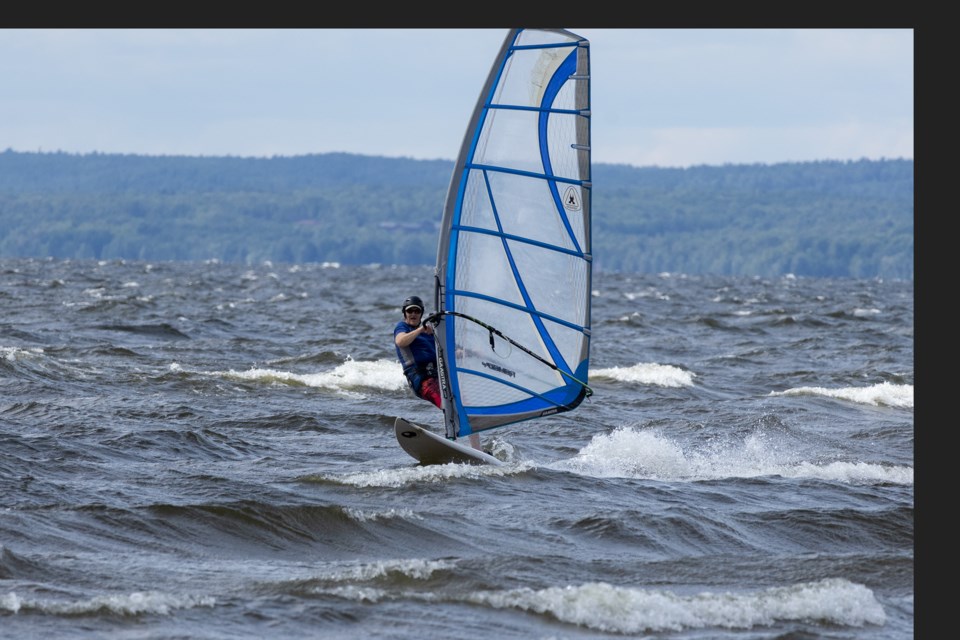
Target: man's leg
<point>430,390</point>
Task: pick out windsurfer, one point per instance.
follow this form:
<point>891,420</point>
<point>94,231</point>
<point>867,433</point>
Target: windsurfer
<point>417,353</point>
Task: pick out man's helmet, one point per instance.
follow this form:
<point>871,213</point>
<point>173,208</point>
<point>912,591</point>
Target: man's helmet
<point>412,301</point>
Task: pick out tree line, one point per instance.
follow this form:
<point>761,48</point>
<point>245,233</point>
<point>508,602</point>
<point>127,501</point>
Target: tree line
<point>816,219</point>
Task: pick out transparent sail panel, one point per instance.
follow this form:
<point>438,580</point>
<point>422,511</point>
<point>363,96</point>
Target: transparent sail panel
<point>514,261</point>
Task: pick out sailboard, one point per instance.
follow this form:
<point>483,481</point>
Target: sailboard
<point>431,448</point>
<point>513,272</point>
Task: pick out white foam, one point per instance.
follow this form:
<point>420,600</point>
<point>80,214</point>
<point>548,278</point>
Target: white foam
<point>647,373</point>
<point>434,473</point>
<point>884,393</point>
<point>621,609</point>
<point>351,377</point>
<point>648,454</point>
<point>14,353</point>
<point>135,603</point>
<point>390,514</point>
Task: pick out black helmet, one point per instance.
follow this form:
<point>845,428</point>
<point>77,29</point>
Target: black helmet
<point>412,301</point>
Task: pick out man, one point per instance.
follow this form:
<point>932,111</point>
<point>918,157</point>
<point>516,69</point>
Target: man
<point>417,351</point>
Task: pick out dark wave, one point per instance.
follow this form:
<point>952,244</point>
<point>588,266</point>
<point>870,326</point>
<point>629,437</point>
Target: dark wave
<point>162,330</point>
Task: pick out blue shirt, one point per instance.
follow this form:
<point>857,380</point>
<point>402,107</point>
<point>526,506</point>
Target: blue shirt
<point>422,350</point>
<point>419,358</point>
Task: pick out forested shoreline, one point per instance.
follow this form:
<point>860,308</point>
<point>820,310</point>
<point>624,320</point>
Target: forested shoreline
<point>813,219</point>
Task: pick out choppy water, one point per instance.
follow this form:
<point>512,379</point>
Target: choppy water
<point>198,450</point>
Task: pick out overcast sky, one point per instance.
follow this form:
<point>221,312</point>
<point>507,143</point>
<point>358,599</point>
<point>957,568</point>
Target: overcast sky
<point>665,97</point>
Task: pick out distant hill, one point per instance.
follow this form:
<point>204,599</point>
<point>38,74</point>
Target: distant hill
<point>818,219</point>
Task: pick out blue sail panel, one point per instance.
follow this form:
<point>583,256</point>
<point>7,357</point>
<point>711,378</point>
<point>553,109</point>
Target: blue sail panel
<point>514,257</point>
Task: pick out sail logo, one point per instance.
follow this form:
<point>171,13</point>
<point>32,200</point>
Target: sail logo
<point>496,367</point>
<point>442,376</point>
<point>571,199</point>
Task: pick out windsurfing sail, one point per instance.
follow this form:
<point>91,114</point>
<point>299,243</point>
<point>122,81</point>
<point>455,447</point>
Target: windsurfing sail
<point>513,272</point>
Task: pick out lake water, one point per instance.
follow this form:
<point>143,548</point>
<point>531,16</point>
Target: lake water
<point>204,450</point>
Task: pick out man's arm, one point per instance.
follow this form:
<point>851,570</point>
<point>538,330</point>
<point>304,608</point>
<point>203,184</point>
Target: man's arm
<point>404,339</point>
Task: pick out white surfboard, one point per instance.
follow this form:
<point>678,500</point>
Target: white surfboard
<point>430,448</point>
